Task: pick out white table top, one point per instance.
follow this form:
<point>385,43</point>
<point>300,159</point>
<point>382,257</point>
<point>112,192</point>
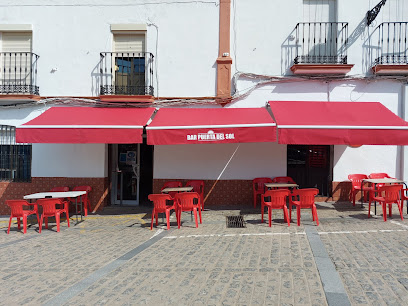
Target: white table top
<point>383,181</point>
<point>277,185</point>
<point>177,189</point>
<point>63,194</point>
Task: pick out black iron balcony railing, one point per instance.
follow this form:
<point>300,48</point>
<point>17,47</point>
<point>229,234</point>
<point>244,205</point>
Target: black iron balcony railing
<point>18,73</point>
<point>126,73</point>
<point>321,43</point>
<point>392,42</point>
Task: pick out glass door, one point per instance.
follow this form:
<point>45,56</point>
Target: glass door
<point>125,174</point>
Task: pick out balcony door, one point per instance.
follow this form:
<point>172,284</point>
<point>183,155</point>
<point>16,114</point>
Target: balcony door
<point>129,62</point>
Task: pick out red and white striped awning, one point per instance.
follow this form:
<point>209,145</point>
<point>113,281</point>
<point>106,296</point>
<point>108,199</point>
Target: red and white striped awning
<point>338,123</point>
<point>86,125</point>
<point>211,125</point>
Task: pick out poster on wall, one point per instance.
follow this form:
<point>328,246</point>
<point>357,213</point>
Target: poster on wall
<point>130,157</point>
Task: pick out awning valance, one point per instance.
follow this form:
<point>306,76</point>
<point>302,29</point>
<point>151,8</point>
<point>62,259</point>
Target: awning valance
<point>338,123</point>
<point>86,125</point>
<point>211,125</point>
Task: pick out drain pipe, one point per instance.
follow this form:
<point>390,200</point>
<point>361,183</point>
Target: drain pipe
<point>401,149</point>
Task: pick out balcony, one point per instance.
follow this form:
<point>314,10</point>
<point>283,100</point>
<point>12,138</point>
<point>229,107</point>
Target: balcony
<point>390,48</point>
<point>126,76</point>
<point>321,48</point>
<point>18,74</point>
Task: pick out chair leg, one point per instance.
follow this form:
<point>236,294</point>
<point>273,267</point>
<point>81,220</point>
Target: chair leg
<point>290,213</point>
<point>390,209</point>
<point>400,209</point>
<point>285,213</point>
<point>168,218</point>
<point>40,224</point>
<point>384,208</point>
<point>195,216</point>
<point>262,213</point>
<point>151,225</point>
<point>8,230</point>
<point>67,215</point>
<point>18,223</point>
<point>270,216</point>
<point>298,214</point>
<point>354,197</point>
<point>199,213</point>
<point>38,218</point>
<point>316,217</point>
<point>57,220</point>
<point>157,219</point>
<point>369,208</point>
<point>313,216</point>
<point>179,218</point>
<point>24,223</point>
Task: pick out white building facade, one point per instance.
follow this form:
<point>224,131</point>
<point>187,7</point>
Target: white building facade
<point>205,54</point>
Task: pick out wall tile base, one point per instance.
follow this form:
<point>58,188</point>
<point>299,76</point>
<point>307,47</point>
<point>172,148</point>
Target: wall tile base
<point>99,196</point>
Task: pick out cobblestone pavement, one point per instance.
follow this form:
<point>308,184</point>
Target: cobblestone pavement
<point>114,258</point>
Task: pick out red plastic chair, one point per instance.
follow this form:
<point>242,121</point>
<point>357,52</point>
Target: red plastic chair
<point>356,186</point>
<point>389,194</point>
<point>172,184</point>
<point>65,206</point>
<point>376,187</point>
<point>18,211</point>
<point>50,210</point>
<point>305,198</point>
<point>277,201</point>
<point>160,206</point>
<point>283,179</point>
<point>198,186</point>
<point>185,202</point>
<point>84,198</point>
<point>258,187</point>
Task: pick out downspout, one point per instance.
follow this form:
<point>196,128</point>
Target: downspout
<point>403,172</point>
<point>224,60</point>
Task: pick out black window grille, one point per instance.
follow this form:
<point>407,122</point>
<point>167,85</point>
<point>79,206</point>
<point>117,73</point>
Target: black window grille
<point>15,158</point>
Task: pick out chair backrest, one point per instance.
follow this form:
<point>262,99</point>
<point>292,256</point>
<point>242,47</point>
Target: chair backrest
<point>185,200</point>
<point>277,197</point>
<point>159,200</point>
<point>198,186</point>
<point>82,188</point>
<point>59,189</point>
<point>378,175</point>
<point>48,205</point>
<point>283,179</point>
<point>258,184</point>
<point>306,196</point>
<point>172,184</point>
<point>356,179</point>
<point>16,206</point>
<point>391,193</point>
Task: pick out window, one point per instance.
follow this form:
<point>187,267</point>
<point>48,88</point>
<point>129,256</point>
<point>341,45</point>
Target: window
<point>130,62</point>
<point>17,62</point>
<point>15,159</point>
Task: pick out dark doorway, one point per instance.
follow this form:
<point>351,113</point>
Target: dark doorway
<point>146,172</point>
<point>311,167</point>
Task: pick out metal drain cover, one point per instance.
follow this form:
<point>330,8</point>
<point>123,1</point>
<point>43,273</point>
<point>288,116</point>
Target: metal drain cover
<point>235,222</point>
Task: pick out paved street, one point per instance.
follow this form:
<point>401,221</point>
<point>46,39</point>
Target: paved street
<point>114,258</point>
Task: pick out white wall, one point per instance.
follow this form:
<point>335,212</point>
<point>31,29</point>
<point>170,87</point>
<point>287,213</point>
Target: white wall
<point>206,161</point>
<point>68,160</point>
<point>69,35</point>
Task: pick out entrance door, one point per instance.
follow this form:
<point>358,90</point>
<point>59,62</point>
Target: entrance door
<point>125,174</point>
<point>310,167</point>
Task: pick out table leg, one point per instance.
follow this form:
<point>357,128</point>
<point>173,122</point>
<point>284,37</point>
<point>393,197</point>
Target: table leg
<point>76,209</point>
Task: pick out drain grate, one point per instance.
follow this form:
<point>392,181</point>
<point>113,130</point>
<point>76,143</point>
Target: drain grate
<point>235,222</point>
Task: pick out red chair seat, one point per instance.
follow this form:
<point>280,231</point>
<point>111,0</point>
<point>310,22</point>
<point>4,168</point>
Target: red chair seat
<point>277,200</point>
<point>18,211</point>
<point>160,206</point>
<point>389,194</point>
<point>185,202</point>
<point>305,199</point>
